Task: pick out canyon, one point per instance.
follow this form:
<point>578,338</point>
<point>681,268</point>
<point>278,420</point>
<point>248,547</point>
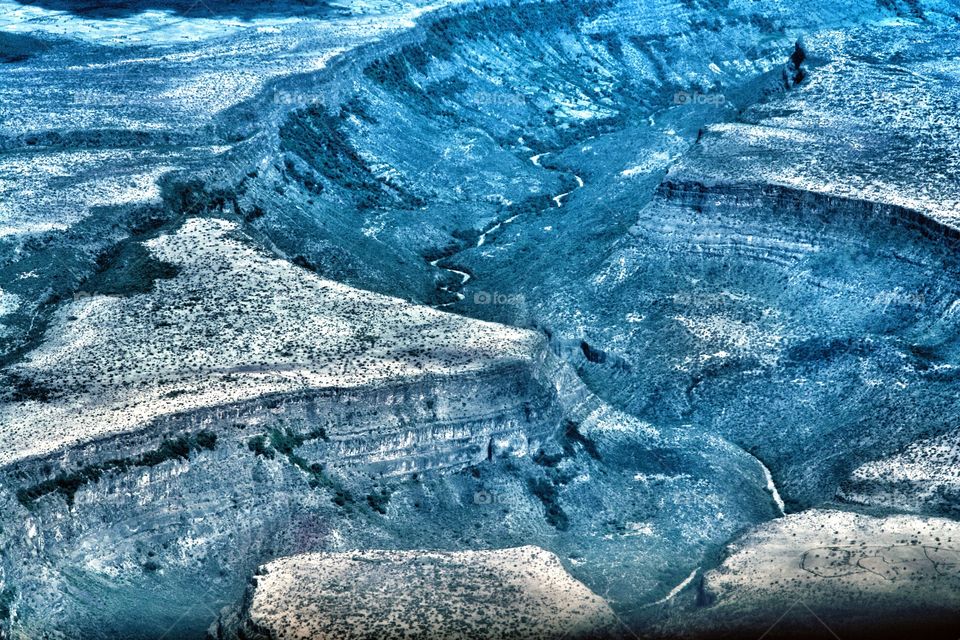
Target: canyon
<point>642,312</point>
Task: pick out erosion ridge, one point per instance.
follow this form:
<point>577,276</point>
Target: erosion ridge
<point>185,345</point>
<point>377,401</point>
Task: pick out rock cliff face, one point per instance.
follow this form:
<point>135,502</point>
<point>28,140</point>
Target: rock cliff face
<point>350,420</point>
<point>803,320</point>
<point>188,505</point>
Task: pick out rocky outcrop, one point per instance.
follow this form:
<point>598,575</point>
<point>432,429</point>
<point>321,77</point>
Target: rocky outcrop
<point>230,486</point>
<point>203,429</point>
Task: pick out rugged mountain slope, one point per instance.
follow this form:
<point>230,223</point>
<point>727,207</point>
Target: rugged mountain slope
<point>160,445</point>
<point>131,427</point>
<point>208,337</point>
<point>727,229</point>
<point>761,304</point>
<point>100,113</point>
<point>812,325</point>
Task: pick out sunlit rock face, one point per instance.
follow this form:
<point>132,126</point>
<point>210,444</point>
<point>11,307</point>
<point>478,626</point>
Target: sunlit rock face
<point>639,316</point>
<point>208,337</point>
<point>144,406</point>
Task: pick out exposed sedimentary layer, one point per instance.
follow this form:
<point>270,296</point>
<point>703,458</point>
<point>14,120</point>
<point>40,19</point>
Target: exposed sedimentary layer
<point>157,398</point>
<point>231,325</point>
<point>786,285</point>
<point>874,100</point>
<point>328,408</point>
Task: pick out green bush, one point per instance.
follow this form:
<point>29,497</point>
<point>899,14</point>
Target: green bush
<point>378,501</point>
<point>6,601</point>
<point>548,494</point>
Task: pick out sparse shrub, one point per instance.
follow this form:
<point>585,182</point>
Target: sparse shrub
<point>206,440</point>
<point>6,601</point>
<point>24,389</point>
<point>378,501</point>
<point>546,460</point>
<point>548,494</point>
<point>342,498</point>
<point>258,444</point>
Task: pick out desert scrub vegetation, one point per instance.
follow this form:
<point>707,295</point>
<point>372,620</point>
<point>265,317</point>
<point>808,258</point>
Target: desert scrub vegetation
<point>378,500</point>
<point>67,484</point>
<point>317,138</point>
<point>521,592</point>
<point>21,388</point>
<point>126,269</point>
<point>285,442</point>
<point>549,496</point>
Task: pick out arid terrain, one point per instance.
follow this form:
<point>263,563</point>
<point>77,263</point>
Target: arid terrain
<point>479,319</point>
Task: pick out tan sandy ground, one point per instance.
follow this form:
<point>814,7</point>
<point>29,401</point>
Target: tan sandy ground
<point>522,592</point>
